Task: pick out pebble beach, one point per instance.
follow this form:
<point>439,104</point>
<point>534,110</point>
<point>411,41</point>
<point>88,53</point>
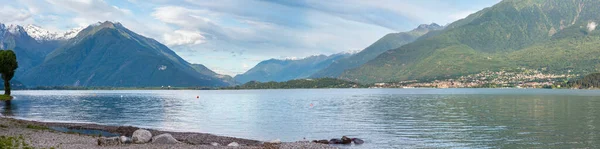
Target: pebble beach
<point>41,135</point>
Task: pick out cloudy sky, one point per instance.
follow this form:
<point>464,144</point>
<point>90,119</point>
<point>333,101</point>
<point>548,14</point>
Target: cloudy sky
<point>231,36</point>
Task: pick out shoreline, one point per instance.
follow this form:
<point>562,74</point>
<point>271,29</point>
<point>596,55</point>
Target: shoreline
<point>47,135</point>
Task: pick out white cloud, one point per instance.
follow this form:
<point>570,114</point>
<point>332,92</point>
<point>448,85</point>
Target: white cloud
<point>182,37</point>
<point>12,15</point>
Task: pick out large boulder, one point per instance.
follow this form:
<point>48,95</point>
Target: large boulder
<point>164,139</point>
<point>141,136</point>
<point>103,141</point>
<point>346,140</point>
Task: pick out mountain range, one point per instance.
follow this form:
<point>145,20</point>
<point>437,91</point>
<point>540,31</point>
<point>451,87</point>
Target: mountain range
<point>280,70</point>
<point>102,54</point>
<point>557,36</point>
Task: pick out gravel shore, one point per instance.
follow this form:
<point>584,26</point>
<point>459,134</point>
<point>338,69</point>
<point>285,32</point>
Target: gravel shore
<point>38,135</point>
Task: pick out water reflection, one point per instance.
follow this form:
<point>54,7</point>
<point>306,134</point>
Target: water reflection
<point>7,108</point>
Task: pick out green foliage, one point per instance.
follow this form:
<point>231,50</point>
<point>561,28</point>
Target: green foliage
<point>532,34</point>
<point>5,97</point>
<point>589,81</point>
<point>300,83</point>
<point>10,142</point>
<point>37,127</point>
<point>8,65</point>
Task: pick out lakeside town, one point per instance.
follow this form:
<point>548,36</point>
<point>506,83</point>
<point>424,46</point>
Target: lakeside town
<point>519,78</point>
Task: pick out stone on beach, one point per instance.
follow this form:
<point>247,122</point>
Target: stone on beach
<point>215,144</point>
<point>321,141</point>
<point>103,141</point>
<point>276,141</point>
<point>346,140</point>
<point>357,141</point>
<point>233,144</point>
<point>141,136</point>
<point>335,141</point>
<point>164,139</point>
<point>125,140</point>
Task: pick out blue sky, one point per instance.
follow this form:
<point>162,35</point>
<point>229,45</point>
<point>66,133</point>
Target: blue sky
<point>231,36</point>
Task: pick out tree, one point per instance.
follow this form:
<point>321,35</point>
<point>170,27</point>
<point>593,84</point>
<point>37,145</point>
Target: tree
<point>8,65</point>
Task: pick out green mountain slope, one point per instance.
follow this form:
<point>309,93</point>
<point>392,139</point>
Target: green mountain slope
<point>284,70</point>
<point>387,42</point>
<point>512,33</point>
<point>108,54</point>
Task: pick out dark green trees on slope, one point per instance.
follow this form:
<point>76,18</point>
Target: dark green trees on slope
<point>556,35</point>
<point>387,42</point>
<point>8,65</point>
<point>589,81</point>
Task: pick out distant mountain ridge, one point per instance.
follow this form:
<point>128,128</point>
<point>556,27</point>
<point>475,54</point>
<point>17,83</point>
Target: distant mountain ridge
<point>103,54</point>
<point>387,42</point>
<point>288,69</point>
<point>554,35</point>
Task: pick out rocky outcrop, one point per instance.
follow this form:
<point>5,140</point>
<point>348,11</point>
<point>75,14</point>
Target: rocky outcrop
<point>344,140</point>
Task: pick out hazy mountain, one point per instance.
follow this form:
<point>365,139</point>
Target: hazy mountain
<point>556,35</point>
<point>288,69</point>
<point>205,71</point>
<point>108,54</point>
<point>387,42</point>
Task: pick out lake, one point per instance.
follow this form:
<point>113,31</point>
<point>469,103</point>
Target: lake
<point>384,118</point>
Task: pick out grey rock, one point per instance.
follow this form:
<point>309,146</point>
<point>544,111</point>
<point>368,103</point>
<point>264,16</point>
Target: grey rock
<point>103,141</point>
<point>164,139</point>
<point>215,144</point>
<point>335,141</point>
<point>321,141</point>
<point>141,136</point>
<point>125,140</point>
<point>234,144</point>
<point>357,141</point>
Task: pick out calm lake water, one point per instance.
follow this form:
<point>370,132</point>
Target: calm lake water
<point>384,118</point>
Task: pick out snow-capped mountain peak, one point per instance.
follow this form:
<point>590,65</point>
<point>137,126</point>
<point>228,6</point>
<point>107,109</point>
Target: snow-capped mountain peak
<point>41,34</point>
